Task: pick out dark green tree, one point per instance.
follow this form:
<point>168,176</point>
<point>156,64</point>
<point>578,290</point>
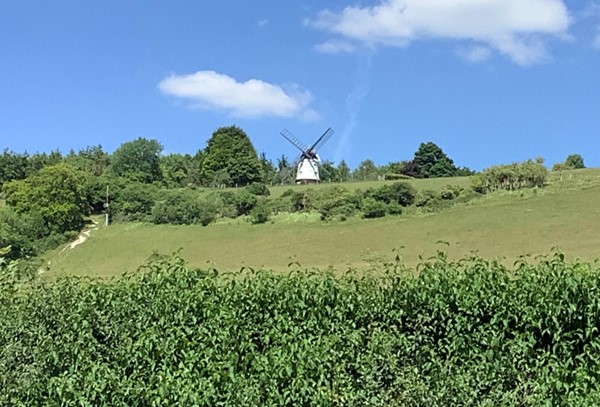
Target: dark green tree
<point>432,162</point>
<point>230,152</point>
<point>138,160</point>
<point>40,160</point>
<point>13,166</point>
<point>575,161</point>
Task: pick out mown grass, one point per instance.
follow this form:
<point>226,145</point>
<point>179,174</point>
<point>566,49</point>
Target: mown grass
<point>506,224</point>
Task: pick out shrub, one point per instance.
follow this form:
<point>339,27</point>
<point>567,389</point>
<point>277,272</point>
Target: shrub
<point>401,193</point>
<point>182,207</point>
<point>258,189</point>
<point>260,212</point>
<point>465,333</point>
<point>244,202</point>
<point>373,209</point>
<point>528,174</point>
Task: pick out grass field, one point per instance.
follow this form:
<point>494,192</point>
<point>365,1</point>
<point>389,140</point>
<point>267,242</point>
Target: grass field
<point>566,214</point>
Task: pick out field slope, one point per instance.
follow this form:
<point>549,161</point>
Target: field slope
<point>566,214</point>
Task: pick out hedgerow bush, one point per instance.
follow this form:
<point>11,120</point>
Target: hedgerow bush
<point>465,333</point>
<point>527,174</point>
<point>183,207</point>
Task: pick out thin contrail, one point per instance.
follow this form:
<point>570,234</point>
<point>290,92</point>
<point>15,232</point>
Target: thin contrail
<point>353,103</point>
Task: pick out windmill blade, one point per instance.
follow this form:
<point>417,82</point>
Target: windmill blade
<point>294,140</point>
<point>322,140</point>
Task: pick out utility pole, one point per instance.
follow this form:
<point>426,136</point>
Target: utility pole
<point>106,208</point>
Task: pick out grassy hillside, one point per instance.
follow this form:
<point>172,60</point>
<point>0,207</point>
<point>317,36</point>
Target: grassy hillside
<point>566,214</point>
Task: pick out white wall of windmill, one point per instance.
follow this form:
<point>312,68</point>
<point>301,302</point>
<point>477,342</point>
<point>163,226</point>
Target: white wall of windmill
<point>308,172</point>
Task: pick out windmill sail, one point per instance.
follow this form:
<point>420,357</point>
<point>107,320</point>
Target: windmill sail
<point>307,163</point>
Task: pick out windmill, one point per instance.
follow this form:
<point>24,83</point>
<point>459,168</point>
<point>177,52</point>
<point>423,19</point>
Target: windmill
<point>307,163</point>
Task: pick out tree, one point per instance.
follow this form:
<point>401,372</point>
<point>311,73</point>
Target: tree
<point>93,160</point>
<point>13,166</point>
<point>574,161</point>
<point>176,169</point>
<point>57,193</point>
<point>432,162</point>
<point>328,172</point>
<point>138,160</point>
<point>366,171</point>
<point>230,151</point>
<point>268,170</point>
<point>343,171</point>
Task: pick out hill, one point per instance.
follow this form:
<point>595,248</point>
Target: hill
<point>565,214</point>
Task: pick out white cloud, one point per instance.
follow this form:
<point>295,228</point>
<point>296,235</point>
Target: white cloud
<point>335,47</point>
<point>262,23</point>
<point>597,39</point>
<point>512,27</point>
<point>253,98</point>
<point>475,54</point>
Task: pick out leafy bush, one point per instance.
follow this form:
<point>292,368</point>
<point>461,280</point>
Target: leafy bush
<point>260,213</point>
<point>258,189</point>
<point>182,207</point>
<point>465,333</point>
<point>401,193</point>
<point>244,202</point>
<point>373,209</point>
<point>528,174</point>
<point>132,201</point>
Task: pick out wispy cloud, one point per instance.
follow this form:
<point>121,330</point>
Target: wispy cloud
<point>335,47</point>
<point>263,22</point>
<point>596,42</point>
<point>475,54</point>
<point>354,101</point>
<point>515,28</point>
<point>253,98</point>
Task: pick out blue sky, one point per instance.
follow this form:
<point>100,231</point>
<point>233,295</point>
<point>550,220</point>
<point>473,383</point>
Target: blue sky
<point>490,81</point>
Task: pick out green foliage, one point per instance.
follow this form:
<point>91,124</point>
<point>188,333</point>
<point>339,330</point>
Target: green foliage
<point>244,202</point>
<point>331,202</point>
<point>258,188</point>
<point>19,232</point>
<point>181,207</point>
<point>431,162</point>
<point>372,208</point>
<point>573,161</point>
<point>527,174</point>
<point>179,170</point>
<point>466,333</point>
<point>56,194</point>
<point>13,166</point>
<point>401,193</point>
<point>92,160</point>
<point>230,159</point>
<point>366,171</point>
<point>138,160</point>
<point>343,171</point>
<point>132,201</point>
<point>260,212</point>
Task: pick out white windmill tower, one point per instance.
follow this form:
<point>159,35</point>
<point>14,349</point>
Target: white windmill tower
<point>307,163</point>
